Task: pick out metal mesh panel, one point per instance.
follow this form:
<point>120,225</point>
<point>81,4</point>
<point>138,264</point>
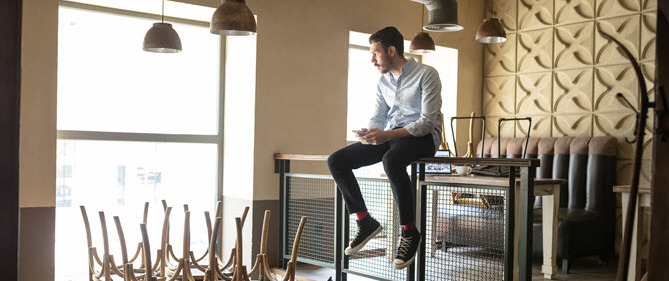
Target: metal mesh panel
<point>314,199</point>
<point>376,258</point>
<point>465,236</point>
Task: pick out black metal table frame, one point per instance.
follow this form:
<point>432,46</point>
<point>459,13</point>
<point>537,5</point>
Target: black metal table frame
<point>416,271</point>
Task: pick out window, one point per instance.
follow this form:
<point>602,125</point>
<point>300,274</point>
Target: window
<point>363,77</point>
<point>133,126</point>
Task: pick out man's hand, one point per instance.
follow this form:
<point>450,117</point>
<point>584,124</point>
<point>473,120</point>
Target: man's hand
<point>360,133</point>
<point>373,136</point>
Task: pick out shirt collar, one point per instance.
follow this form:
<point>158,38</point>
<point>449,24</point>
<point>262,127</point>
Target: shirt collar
<point>411,63</point>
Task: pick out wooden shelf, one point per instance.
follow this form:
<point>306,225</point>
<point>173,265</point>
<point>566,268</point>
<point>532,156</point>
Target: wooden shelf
<point>305,157</point>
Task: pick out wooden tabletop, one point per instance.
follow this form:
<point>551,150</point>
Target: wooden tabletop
<point>513,162</point>
<point>626,189</point>
<point>304,157</point>
<point>484,180</point>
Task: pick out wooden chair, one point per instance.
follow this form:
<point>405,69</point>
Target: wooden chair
<point>106,270</point>
<point>161,260</point>
<point>109,270</point>
<point>262,265</point>
<point>212,270</point>
<point>168,267</point>
<point>240,273</point>
<point>214,273</point>
<point>192,268</point>
<point>207,218</point>
<point>290,269</point>
<point>119,270</point>
<point>230,264</point>
<point>182,269</point>
<point>149,274</point>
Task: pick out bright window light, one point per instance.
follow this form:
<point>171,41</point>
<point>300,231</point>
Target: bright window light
<point>104,76</point>
<point>363,77</point>
<point>133,127</point>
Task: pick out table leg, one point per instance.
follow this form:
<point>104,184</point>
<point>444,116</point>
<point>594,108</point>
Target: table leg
<point>550,208</point>
<point>433,227</point>
<point>525,223</point>
<point>515,237</point>
<point>631,272</point>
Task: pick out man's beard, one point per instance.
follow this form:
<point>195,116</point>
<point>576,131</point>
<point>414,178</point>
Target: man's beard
<point>383,70</point>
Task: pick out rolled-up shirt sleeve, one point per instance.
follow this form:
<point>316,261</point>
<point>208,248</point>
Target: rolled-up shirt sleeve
<point>430,114</point>
<point>381,108</point>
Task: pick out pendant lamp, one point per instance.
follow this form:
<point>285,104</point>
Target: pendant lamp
<point>422,43</point>
<point>161,37</point>
<point>233,17</point>
<point>491,30</point>
<point>443,15</point>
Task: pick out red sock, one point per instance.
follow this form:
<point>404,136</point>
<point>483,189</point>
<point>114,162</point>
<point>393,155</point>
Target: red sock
<point>409,226</point>
<point>362,215</point>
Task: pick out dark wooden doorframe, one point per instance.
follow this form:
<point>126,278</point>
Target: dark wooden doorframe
<point>658,255</point>
<point>10,83</point>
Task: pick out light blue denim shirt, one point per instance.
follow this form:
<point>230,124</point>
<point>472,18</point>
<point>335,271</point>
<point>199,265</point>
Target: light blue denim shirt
<point>412,101</point>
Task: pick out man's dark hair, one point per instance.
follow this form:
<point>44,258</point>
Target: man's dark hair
<point>387,37</point>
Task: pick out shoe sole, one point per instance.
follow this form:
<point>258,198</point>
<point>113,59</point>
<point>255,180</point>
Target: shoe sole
<point>407,263</point>
<point>349,251</point>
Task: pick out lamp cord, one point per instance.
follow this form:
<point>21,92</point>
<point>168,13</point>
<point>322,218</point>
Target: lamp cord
<point>162,14</point>
<point>490,8</point>
<point>422,18</point>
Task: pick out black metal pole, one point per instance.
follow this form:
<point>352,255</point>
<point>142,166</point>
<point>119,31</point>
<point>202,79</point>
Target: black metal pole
<point>455,146</point>
<point>283,167</point>
<point>411,269</point>
<point>340,243</point>
<point>339,235</point>
<point>422,204</point>
<point>510,227</point>
<point>345,230</point>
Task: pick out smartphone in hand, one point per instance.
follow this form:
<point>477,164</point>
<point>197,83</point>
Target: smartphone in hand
<point>359,132</point>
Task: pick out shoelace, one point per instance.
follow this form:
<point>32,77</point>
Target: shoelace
<point>358,237</point>
<point>405,245</point>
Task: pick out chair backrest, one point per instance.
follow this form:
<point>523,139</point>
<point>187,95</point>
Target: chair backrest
<point>588,165</point>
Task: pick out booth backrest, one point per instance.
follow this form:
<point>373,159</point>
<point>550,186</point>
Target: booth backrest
<point>588,165</point>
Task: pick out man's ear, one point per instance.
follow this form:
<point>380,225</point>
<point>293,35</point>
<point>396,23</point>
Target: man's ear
<point>392,51</point>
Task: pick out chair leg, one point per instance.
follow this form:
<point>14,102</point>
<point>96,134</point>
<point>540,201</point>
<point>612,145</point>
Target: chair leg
<point>565,266</point>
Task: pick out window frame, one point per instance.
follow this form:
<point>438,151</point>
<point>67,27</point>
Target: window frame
<point>418,58</point>
<point>157,137</point>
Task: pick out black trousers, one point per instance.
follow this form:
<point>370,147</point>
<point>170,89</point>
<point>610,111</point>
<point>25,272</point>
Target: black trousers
<point>396,156</point>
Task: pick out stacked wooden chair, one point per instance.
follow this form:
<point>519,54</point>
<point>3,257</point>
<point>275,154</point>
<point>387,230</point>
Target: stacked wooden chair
<point>168,267</point>
<point>107,266</point>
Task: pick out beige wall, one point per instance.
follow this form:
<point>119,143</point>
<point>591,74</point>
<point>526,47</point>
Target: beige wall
<point>37,148</point>
<point>557,69</point>
<point>302,72</point>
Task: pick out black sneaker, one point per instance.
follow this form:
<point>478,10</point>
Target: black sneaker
<point>406,252</point>
<point>367,229</point>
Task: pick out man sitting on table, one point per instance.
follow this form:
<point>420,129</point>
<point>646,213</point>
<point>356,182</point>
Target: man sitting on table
<point>408,102</point>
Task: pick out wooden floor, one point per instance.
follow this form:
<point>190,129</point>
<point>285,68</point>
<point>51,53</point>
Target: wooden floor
<point>584,269</point>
